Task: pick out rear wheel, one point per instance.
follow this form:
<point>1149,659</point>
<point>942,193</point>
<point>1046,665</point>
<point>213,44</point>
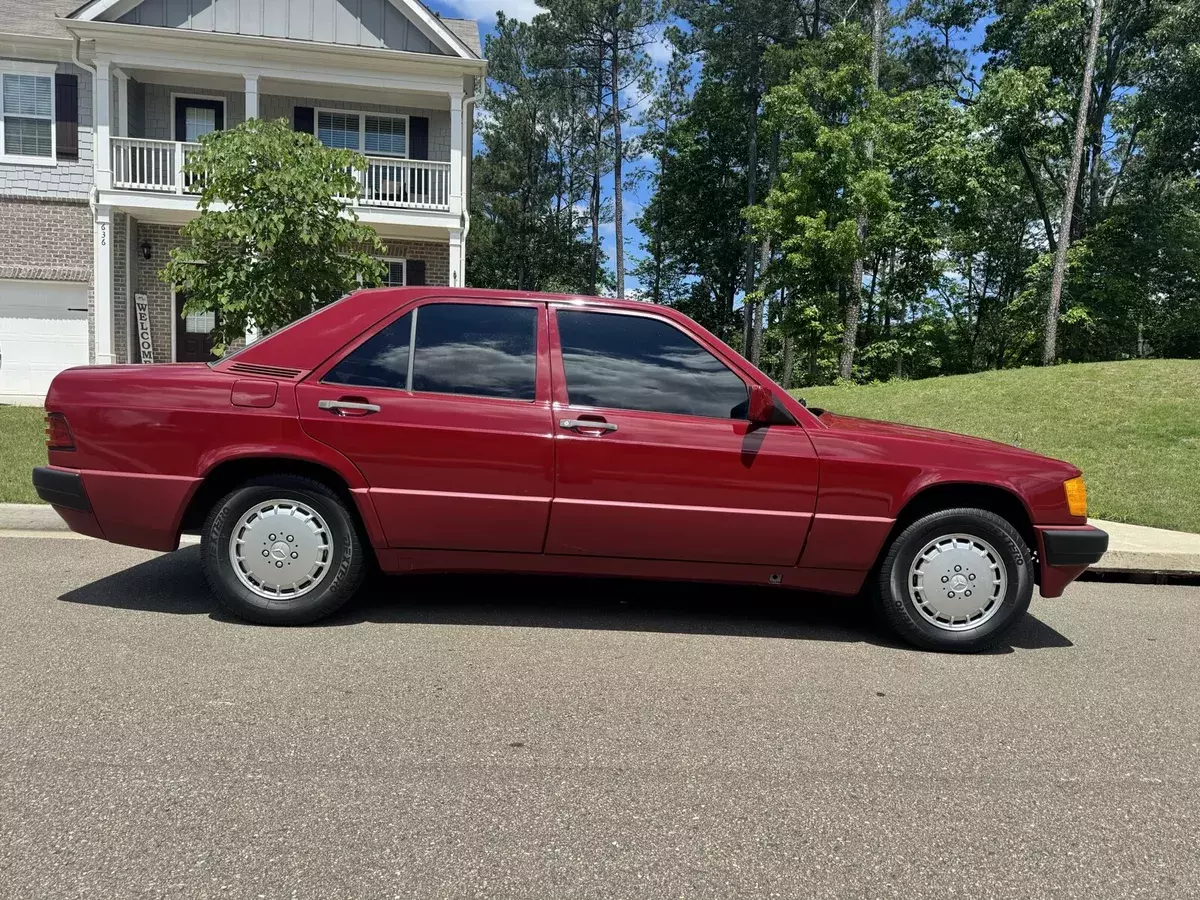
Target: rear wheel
<point>282,550</point>
<point>957,580</point>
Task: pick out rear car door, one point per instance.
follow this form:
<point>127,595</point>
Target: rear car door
<point>445,410</point>
<point>655,456</point>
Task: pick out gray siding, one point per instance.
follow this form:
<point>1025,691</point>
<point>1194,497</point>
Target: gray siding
<point>71,180</point>
<point>156,120</point>
<point>356,23</point>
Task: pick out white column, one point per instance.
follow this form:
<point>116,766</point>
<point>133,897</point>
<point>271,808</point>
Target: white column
<point>102,100</point>
<point>122,117</point>
<point>456,156</point>
<point>251,97</point>
<point>457,250</point>
<point>102,284</point>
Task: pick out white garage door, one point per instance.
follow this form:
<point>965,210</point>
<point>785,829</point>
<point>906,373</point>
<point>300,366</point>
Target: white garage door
<point>43,330</point>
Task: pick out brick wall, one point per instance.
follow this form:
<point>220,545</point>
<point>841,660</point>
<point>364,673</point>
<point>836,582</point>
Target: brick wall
<point>45,239</point>
<point>67,180</point>
<point>436,256</point>
<point>120,287</point>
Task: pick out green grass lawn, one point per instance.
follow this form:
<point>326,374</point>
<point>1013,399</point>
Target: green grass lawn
<point>22,446</point>
<point>1133,427</point>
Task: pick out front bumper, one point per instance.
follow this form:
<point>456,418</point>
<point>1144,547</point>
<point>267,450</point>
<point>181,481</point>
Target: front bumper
<point>1067,547</point>
<point>1064,553</point>
<point>59,487</point>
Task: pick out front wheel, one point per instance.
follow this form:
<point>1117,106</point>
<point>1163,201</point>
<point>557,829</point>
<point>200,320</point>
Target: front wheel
<point>956,580</point>
<point>282,550</point>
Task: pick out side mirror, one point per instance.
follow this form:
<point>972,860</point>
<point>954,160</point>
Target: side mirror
<point>761,408</point>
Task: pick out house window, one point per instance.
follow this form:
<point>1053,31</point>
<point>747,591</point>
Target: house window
<point>200,322</point>
<point>395,273</point>
<point>385,135</point>
<point>27,124</point>
<point>338,131</point>
<point>375,135</point>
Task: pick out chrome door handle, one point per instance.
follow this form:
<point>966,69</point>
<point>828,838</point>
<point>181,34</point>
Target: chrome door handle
<point>576,424</point>
<point>337,405</point>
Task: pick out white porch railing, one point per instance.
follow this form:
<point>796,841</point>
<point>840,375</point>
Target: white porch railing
<point>408,183</point>
<point>143,165</point>
<point>140,164</point>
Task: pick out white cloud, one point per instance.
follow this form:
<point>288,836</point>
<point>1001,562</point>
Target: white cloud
<point>485,10</point>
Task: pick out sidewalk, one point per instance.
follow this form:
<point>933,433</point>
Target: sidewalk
<point>1135,548</point>
<point>1131,548</point>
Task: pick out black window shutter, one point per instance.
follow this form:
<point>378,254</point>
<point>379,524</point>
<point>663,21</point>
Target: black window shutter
<point>66,116</point>
<point>418,141</point>
<point>304,119</point>
<point>415,274</point>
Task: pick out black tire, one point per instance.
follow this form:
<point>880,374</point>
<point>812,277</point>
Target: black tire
<point>340,579</point>
<point>900,610</point>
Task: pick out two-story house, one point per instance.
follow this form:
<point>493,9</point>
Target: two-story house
<point>101,103</point>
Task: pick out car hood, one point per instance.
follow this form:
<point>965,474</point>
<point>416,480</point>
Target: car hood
<point>944,439</point>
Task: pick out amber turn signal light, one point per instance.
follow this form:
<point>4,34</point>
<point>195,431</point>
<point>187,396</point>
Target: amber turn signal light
<point>1076,496</point>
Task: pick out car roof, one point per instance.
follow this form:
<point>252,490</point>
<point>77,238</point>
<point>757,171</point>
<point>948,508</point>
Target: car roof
<point>396,295</point>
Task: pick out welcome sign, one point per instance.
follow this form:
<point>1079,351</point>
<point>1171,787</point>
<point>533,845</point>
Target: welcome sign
<point>145,343</point>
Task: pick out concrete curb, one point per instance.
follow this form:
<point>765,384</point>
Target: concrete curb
<point>30,517</point>
<point>1135,548</point>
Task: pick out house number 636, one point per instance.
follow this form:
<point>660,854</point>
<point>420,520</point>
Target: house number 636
<point>103,234</point>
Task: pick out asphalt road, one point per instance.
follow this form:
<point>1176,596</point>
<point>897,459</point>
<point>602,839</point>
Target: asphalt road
<point>476,737</point>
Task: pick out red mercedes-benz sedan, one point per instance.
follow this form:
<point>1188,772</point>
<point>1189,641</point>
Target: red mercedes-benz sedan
<point>449,429</point>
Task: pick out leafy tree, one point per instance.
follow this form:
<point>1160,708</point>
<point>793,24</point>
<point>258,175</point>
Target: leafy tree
<point>274,239</point>
<point>535,168</point>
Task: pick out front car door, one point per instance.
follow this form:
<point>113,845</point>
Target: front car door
<point>655,456</point>
<point>445,410</point>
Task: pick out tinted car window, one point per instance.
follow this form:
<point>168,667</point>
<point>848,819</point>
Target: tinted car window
<point>487,351</point>
<point>381,361</point>
<point>632,362</point>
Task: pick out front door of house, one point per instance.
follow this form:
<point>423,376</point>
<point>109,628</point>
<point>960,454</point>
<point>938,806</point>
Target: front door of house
<point>193,333</point>
<point>196,117</point>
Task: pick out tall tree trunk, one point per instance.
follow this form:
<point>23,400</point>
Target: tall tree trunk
<point>618,152</point>
<point>751,198</point>
<point>597,157</point>
<point>854,302</point>
<point>1050,346</point>
<point>789,344</point>
<point>764,257</point>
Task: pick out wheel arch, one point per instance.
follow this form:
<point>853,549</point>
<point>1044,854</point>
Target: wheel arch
<point>994,498</point>
<point>229,473</point>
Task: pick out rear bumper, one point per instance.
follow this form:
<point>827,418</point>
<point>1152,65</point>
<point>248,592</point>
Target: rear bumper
<point>1065,552</point>
<point>61,488</point>
<point>137,509</point>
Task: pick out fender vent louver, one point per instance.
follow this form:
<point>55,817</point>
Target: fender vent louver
<point>269,371</point>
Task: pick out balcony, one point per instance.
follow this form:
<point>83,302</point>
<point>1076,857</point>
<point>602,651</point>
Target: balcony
<point>140,164</point>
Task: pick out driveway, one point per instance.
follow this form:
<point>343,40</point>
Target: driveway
<point>501,737</point>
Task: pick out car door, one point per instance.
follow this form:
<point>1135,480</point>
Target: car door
<point>445,410</point>
<point>655,456</point>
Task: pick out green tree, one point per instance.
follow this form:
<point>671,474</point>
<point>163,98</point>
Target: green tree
<point>535,169</point>
<point>274,239</point>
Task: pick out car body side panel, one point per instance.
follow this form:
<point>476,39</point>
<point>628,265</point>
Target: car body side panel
<point>868,476</point>
<point>146,437</point>
<point>445,471</point>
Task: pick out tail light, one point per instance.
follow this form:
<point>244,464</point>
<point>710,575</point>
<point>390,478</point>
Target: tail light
<point>58,433</point>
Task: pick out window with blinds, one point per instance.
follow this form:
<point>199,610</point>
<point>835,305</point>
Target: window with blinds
<point>28,115</point>
<point>385,135</point>
<point>374,135</point>
<point>338,130</point>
